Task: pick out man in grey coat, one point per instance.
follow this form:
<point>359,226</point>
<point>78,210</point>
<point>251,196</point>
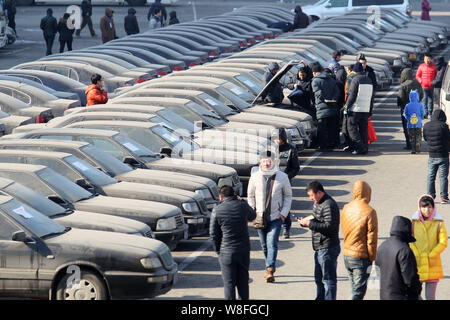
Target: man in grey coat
<point>229,233</point>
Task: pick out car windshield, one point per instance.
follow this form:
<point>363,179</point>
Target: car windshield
<point>243,94</point>
<point>162,122</point>
<point>111,164</point>
<point>34,199</point>
<point>174,118</point>
<point>249,83</point>
<point>211,117</point>
<point>92,174</point>
<point>172,139</point>
<point>65,188</point>
<point>134,146</point>
<point>216,105</point>
<point>234,98</point>
<point>31,219</point>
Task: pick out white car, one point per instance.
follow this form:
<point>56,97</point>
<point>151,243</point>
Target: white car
<point>330,8</point>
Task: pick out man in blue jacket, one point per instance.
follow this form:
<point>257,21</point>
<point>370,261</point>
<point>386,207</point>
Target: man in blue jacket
<point>414,113</point>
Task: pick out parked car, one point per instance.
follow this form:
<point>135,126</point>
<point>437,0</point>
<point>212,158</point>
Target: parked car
<point>111,265</point>
<point>14,106</point>
<point>445,92</point>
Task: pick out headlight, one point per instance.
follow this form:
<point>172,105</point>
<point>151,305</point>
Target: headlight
<point>166,224</point>
<point>441,36</point>
<point>404,59</point>
<point>204,193</point>
<point>190,207</point>
<point>397,63</point>
<point>151,263</point>
<point>292,132</point>
<point>430,40</point>
<point>307,125</point>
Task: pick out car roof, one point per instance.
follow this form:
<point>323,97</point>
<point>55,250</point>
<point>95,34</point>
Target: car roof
<point>4,182</point>
<point>139,124</point>
<point>153,99</point>
<point>11,100</point>
<point>179,91</point>
<point>25,142</point>
<point>122,107</point>
<point>22,167</point>
<point>76,131</point>
<point>5,198</point>
<point>109,113</point>
<point>43,154</point>
<point>181,82</point>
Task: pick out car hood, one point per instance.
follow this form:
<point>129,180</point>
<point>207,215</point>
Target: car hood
<point>262,119</point>
<point>297,115</point>
<point>144,211</point>
<point>223,157</point>
<point>208,170</point>
<point>102,222</point>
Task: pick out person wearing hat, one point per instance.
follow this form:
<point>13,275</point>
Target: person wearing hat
<point>130,22</point>
<point>368,70</point>
<point>275,92</point>
<point>359,106</point>
<point>333,64</point>
<point>269,193</point>
<point>65,34</point>
<point>107,26</point>
<point>399,279</point>
<point>289,163</point>
<point>49,26</point>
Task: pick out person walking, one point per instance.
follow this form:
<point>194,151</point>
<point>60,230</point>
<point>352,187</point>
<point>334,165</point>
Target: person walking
<point>107,26</point>
<point>440,66</point>
<point>302,95</point>
<point>156,21</point>
<point>368,70</point>
<point>359,106</point>
<point>152,11</point>
<point>426,8</point>
<point>414,114</point>
<point>49,26</point>
<point>431,240</point>
<point>131,25</point>
<point>407,83</point>
<point>290,164</point>
<point>425,74</point>
<point>10,8</point>
<point>274,93</point>
<point>301,19</point>
<point>437,135</point>
<point>86,13</point>
<point>360,228</point>
<point>398,268</point>
<point>65,34</point>
<point>270,194</point>
<point>229,235</point>
<point>173,18</point>
<point>333,64</point>
<point>324,224</point>
<point>326,93</point>
<point>95,93</point>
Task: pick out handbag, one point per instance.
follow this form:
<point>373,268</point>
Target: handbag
<point>373,282</point>
<point>261,221</point>
<point>371,135</point>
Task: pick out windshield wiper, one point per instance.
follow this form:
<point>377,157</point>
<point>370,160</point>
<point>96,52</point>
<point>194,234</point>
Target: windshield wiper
<point>211,116</point>
<point>56,233</point>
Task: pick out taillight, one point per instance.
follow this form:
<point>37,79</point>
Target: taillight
<point>227,50</point>
<point>177,68</point>
<point>268,36</point>
<point>193,64</point>
<point>243,45</point>
<point>202,59</point>
<point>161,73</point>
<point>258,38</point>
<point>250,41</point>
<point>67,108</point>
<point>40,119</point>
<point>276,34</point>
<point>213,54</point>
<point>140,80</point>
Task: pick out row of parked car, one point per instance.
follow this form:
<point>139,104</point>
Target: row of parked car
<point>112,188</point>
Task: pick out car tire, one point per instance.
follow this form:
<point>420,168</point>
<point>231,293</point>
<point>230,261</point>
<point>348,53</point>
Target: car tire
<point>91,287</point>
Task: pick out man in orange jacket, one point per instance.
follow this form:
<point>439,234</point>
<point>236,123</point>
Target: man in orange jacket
<point>95,93</point>
<point>360,228</point>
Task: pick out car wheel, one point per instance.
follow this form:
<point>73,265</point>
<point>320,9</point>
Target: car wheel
<point>89,288</point>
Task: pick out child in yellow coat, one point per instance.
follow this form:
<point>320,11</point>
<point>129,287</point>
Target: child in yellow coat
<point>431,240</point>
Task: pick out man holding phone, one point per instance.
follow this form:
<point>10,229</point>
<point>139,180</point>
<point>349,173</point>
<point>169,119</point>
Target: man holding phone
<point>95,93</point>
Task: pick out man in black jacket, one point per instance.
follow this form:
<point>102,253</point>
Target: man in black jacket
<point>229,234</point>
<point>10,7</point>
<point>275,91</point>
<point>130,22</point>
<point>86,13</point>
<point>398,267</point>
<point>49,26</point>
<point>440,65</point>
<point>302,95</point>
<point>437,135</point>
<point>289,164</point>
<point>324,224</point>
<point>368,70</point>
<point>301,19</point>
<point>65,34</point>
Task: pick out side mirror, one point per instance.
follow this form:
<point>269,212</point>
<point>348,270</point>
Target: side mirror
<point>130,161</point>
<point>21,236</point>
<point>166,151</point>
<point>328,5</point>
<point>58,200</point>
<point>447,96</point>
<point>82,183</point>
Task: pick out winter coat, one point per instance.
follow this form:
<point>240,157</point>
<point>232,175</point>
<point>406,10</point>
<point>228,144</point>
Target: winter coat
<point>155,5</point>
<point>368,71</point>
<point>281,194</point>
<point>289,160</point>
<point>431,241</point>
<point>325,225</point>
<point>407,83</point>
<point>49,26</point>
<point>10,7</point>
<point>86,8</point>
<point>341,78</point>
<point>441,67</point>
<point>324,87</point>
<point>229,226</point>
<point>155,22</point>
<point>302,94</point>
<point>360,95</point>
<point>173,18</point>
<point>95,96</point>
<point>65,34</point>
<point>398,268</point>
<point>107,26</point>
<point>130,22</point>
<point>333,65</point>
<point>301,20</point>
<point>437,135</point>
<point>414,111</point>
<point>348,81</point>
<point>360,224</point>
<point>426,8</point>
<point>425,74</point>
<point>275,91</point>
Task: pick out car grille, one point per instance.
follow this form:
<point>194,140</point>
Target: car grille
<point>167,260</point>
<point>180,221</point>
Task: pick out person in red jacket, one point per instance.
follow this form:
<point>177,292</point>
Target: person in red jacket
<point>425,75</point>
<point>95,93</point>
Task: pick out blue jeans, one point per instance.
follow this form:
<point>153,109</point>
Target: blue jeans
<point>357,273</point>
<point>438,165</point>
<point>325,272</point>
<point>427,101</point>
<point>268,238</point>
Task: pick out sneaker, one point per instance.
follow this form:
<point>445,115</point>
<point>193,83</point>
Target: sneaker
<point>407,148</point>
<point>445,201</point>
<point>286,234</point>
<point>413,152</point>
